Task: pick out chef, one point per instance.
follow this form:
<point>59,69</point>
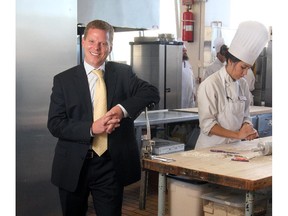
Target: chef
<point>188,82</point>
<point>250,78</point>
<point>223,98</point>
<point>220,59</point>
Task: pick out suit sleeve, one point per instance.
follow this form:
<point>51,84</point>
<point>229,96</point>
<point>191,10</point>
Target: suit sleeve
<point>64,119</point>
<point>141,93</point>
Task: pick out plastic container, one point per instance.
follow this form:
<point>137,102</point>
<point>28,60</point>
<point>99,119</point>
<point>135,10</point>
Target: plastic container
<point>184,196</point>
<point>232,203</point>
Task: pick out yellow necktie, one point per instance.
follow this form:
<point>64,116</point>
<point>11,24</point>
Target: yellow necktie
<point>100,108</point>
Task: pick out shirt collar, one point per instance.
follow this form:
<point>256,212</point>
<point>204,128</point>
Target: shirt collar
<point>89,68</point>
<point>226,78</point>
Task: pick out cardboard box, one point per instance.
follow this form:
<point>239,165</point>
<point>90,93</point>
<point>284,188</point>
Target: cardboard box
<point>184,196</point>
<point>231,202</point>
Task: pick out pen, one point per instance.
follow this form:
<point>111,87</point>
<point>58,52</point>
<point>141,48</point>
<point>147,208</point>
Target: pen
<point>223,151</point>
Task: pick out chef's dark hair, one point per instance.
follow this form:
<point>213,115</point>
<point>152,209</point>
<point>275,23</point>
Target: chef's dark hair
<point>223,50</point>
<point>231,57</point>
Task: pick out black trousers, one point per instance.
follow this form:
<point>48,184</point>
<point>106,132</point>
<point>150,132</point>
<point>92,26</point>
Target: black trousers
<point>98,178</point>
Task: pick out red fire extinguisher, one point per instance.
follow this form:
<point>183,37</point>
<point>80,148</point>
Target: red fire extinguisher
<point>188,26</point>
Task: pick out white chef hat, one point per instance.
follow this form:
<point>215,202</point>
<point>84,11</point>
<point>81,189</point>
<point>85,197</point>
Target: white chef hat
<point>249,41</point>
<point>218,42</point>
<point>180,40</point>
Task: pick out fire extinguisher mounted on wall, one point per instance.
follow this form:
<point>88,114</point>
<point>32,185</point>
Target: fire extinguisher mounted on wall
<point>188,22</point>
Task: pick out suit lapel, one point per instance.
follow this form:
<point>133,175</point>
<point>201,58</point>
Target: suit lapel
<point>110,80</point>
<point>82,85</point>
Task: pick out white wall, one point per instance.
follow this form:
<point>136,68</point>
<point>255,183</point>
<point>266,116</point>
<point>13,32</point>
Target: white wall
<point>195,49</point>
<point>233,12</point>
<point>218,10</point>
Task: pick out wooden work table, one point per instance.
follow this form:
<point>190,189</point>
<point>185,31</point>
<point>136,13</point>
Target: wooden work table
<point>217,168</point>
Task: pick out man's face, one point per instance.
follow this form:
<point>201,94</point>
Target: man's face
<point>185,56</point>
<point>96,47</point>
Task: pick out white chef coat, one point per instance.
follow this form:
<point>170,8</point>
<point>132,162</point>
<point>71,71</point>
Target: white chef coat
<point>212,68</point>
<point>188,86</point>
<point>250,78</point>
<point>222,101</point>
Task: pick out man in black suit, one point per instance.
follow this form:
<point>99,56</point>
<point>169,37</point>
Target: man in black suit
<point>77,170</point>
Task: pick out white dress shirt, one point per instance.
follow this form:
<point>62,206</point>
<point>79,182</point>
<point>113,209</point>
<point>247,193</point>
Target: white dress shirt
<point>92,78</point>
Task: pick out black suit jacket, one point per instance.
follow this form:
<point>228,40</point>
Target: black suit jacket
<point>70,118</point>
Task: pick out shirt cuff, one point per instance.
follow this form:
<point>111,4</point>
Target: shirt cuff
<point>125,113</point>
<point>91,133</point>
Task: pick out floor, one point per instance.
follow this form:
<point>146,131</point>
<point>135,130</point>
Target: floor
<point>131,203</point>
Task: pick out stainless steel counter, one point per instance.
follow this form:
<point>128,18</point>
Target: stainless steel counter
<point>178,115</point>
<point>165,116</point>
<point>161,117</point>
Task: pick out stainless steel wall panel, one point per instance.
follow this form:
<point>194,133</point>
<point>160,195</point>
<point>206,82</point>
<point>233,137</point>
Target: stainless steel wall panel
<point>46,33</point>
<point>135,14</point>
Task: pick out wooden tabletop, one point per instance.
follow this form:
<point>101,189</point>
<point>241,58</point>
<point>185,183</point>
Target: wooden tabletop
<point>254,110</point>
<point>218,168</point>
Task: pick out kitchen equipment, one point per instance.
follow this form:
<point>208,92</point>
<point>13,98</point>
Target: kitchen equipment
<point>160,63</point>
<point>263,76</point>
<point>147,143</point>
<point>163,146</point>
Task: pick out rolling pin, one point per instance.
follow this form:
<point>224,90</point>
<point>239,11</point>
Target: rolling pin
<point>264,147</point>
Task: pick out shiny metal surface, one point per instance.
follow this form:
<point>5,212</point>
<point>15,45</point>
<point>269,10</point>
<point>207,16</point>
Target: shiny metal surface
<point>165,116</point>
<point>45,45</point>
<point>268,83</point>
<point>157,117</point>
<point>173,76</point>
<point>126,14</point>
<point>161,65</point>
<point>263,78</point>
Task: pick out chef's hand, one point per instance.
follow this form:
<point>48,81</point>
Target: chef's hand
<point>253,136</point>
<point>247,131</point>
